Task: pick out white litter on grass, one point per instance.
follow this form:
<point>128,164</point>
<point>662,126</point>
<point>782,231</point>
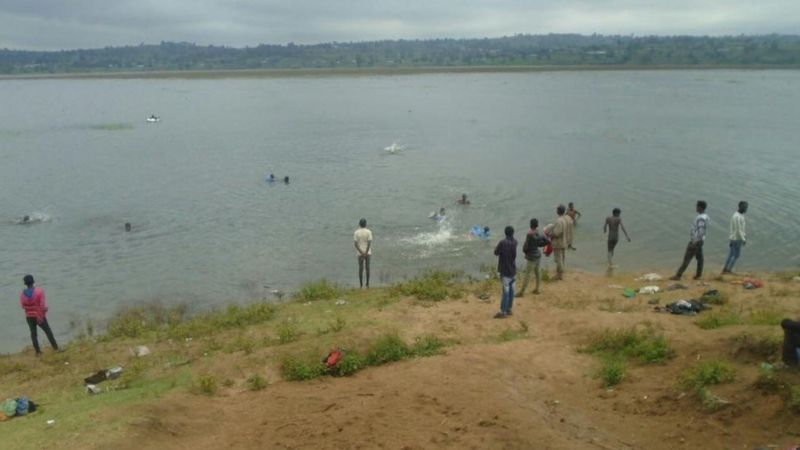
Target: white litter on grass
<point>51,422</point>
<point>615,286</point>
<point>650,277</point>
<point>140,350</point>
<point>341,302</point>
<point>649,290</point>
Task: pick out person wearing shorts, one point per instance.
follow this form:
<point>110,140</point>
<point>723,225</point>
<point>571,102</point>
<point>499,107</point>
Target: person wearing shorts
<point>612,226</point>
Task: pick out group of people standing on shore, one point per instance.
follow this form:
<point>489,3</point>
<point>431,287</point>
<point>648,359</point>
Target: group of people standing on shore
<point>559,236</point>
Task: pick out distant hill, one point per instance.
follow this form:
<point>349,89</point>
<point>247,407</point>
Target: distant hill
<point>519,50</point>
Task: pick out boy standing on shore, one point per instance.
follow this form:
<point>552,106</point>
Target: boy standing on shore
<point>737,237</point>
<point>362,239</point>
<point>506,252</point>
<point>695,247</point>
<point>612,226</point>
<point>533,256</point>
<point>34,303</point>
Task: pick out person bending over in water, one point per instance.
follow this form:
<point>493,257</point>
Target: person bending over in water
<point>612,226</point>
<point>34,303</point>
<point>463,200</point>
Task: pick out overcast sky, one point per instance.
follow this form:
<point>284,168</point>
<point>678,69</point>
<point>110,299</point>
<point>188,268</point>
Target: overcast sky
<point>68,24</point>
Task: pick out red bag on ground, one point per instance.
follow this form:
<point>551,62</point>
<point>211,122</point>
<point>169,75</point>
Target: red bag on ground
<point>333,358</point>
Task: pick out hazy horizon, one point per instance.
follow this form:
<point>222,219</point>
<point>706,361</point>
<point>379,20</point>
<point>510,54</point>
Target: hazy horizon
<point>50,25</point>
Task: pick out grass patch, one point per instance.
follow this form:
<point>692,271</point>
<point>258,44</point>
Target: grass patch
<point>256,382</point>
<point>714,297</point>
<point>434,286</point>
<point>644,345</point>
<point>718,319</point>
<point>318,290</point>
<point>612,370</point>
<point>295,369</point>
<point>288,332</point>
<point>177,323</point>
<point>207,384</point>
<point>512,334</point>
<point>708,373</point>
<point>427,345</point>
<point>758,347</point>
<point>765,317</point>
<point>387,348</point>
<point>351,363</point>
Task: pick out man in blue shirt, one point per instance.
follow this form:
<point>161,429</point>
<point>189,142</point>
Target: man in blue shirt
<point>506,252</point>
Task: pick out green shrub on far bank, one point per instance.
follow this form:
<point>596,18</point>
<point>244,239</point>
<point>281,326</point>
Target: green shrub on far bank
<point>435,286</point>
<point>318,290</point>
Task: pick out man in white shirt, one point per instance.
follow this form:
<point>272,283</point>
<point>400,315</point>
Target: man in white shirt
<point>695,247</point>
<point>737,237</point>
<point>362,239</point>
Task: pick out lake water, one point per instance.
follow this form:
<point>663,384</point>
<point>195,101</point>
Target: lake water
<point>79,156</point>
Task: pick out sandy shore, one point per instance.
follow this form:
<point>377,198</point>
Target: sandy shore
<point>516,383</point>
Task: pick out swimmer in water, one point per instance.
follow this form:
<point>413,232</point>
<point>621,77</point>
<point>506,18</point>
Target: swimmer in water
<point>463,200</point>
<point>286,179</point>
<point>440,215</point>
<point>127,226</point>
<point>271,178</point>
<point>25,219</point>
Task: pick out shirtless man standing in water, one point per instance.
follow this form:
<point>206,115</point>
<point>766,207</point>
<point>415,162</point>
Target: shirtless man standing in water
<point>612,226</point>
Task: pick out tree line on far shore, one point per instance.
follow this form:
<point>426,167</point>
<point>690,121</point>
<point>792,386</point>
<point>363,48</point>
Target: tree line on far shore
<point>519,50</point>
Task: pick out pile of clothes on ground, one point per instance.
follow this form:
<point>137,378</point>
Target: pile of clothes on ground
<point>14,407</point>
<point>692,307</point>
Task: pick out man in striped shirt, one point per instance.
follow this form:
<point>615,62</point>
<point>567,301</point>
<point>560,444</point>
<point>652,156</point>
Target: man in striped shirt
<point>737,237</point>
<point>695,247</point>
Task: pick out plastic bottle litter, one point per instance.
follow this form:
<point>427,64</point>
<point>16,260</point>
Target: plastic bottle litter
<point>113,373</point>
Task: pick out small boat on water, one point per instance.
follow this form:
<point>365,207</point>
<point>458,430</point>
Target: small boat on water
<point>153,118</point>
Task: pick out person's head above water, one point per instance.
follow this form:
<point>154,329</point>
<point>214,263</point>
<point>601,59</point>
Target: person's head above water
<point>509,231</point>
<point>742,207</point>
<point>616,212</point>
<point>441,211</point>
<point>701,206</point>
<point>286,179</point>
<point>486,230</point>
<point>28,280</point>
<point>362,223</point>
<point>534,223</point>
<point>127,226</point>
<point>26,218</point>
<point>560,210</point>
<point>571,205</point>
